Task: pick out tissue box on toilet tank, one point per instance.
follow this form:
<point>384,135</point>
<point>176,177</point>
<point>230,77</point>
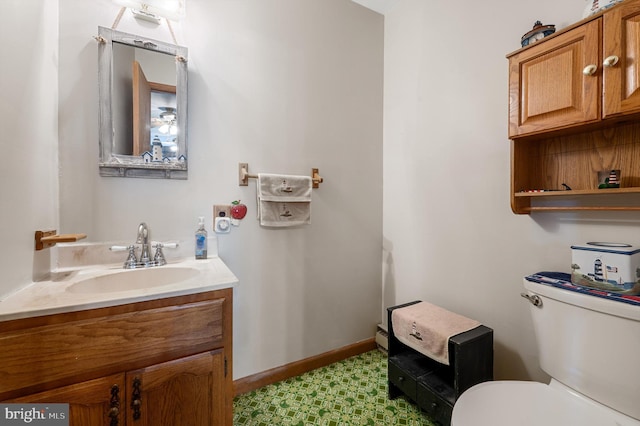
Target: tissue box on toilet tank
<point>607,266</point>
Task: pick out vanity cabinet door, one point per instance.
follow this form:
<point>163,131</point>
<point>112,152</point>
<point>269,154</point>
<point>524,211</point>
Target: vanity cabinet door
<point>185,392</point>
<point>550,86</point>
<point>96,402</point>
<point>621,53</point>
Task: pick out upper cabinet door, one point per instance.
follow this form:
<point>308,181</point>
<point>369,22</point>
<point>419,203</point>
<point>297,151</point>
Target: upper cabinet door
<point>621,53</point>
<point>557,83</point>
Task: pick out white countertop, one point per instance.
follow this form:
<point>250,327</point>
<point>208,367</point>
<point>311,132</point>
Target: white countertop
<point>52,296</point>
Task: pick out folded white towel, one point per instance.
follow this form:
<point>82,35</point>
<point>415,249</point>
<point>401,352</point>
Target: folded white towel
<point>427,328</point>
<point>284,187</point>
<point>273,213</point>
<point>283,200</point>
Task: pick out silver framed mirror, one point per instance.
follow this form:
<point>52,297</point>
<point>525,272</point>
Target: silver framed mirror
<point>143,106</point>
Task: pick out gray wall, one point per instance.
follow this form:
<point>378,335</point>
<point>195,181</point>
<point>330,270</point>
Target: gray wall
<point>283,85</point>
<point>455,241</point>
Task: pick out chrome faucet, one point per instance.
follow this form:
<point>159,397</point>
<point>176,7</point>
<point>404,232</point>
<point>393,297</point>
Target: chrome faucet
<point>145,260</point>
<point>143,238</point>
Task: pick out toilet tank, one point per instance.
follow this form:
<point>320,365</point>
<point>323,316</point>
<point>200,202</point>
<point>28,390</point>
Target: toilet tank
<point>589,344</point>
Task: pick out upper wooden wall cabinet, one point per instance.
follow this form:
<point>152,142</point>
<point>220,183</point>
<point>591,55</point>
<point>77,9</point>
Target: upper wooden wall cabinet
<point>574,108</point>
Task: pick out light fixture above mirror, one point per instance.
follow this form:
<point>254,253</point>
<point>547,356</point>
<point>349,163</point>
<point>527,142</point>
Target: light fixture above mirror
<point>153,10</point>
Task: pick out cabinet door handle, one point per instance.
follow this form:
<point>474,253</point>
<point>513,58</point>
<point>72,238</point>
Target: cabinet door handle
<point>610,61</point>
<point>114,403</point>
<point>136,399</point>
<point>590,69</point>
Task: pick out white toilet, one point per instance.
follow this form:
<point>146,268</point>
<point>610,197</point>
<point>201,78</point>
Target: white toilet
<point>590,346</point>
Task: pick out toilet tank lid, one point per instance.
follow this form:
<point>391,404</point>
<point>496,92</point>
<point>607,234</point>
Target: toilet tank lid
<point>606,306</point>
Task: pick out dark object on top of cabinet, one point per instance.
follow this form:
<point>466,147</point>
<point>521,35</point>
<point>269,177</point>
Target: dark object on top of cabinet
<point>538,32</point>
<point>435,387</point>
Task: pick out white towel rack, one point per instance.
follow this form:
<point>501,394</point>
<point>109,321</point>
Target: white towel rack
<point>244,176</point>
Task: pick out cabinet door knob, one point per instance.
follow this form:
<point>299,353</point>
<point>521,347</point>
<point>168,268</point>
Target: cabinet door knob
<point>610,61</point>
<point>590,69</point>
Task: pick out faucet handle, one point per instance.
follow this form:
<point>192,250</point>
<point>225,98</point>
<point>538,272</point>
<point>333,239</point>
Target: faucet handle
<point>132,260</point>
<point>158,257</point>
<point>156,244</point>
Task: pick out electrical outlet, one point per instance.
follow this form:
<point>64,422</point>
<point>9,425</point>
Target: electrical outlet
<point>225,209</point>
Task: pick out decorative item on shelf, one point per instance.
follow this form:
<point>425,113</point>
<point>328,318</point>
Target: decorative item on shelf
<point>565,187</point>
<point>595,6</point>
<point>609,179</point>
<point>538,32</point>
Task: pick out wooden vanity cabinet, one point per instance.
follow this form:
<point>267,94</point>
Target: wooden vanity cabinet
<point>574,110</point>
<point>162,362</point>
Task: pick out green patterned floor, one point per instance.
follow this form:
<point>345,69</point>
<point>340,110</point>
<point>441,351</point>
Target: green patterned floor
<point>349,392</point>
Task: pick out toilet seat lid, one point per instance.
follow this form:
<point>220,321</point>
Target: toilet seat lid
<point>530,403</point>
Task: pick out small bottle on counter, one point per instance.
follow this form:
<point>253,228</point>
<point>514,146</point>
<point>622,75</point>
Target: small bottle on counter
<point>201,240</point>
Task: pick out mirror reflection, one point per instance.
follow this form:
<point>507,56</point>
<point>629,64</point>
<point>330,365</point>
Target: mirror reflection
<point>142,107</point>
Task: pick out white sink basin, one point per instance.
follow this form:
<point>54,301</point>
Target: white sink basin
<point>135,279</point>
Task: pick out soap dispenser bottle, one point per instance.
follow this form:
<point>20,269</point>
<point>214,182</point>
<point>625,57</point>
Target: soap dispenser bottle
<point>201,240</point>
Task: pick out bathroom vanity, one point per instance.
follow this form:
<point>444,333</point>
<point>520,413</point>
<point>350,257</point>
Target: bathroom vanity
<point>148,363</point>
<point>149,346</point>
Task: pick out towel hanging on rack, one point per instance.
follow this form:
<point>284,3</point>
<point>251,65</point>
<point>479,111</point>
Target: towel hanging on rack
<point>283,200</point>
